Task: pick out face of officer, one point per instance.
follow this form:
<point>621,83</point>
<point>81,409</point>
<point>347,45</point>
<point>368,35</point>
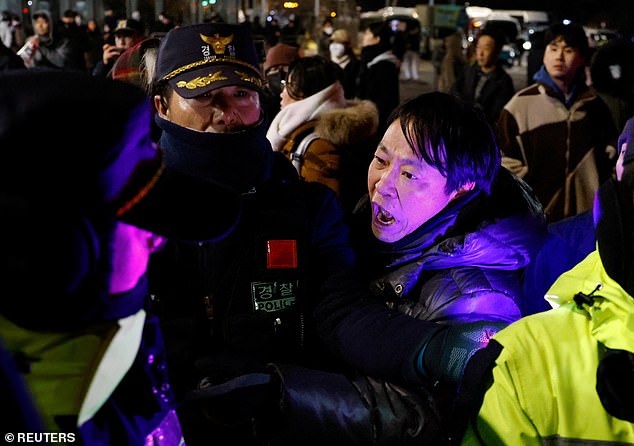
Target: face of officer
<point>223,110</point>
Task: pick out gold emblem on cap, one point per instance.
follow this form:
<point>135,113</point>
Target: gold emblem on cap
<point>201,81</point>
<point>216,42</point>
<point>249,78</point>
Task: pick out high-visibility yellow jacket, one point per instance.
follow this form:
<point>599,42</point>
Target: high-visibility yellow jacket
<point>545,377</point>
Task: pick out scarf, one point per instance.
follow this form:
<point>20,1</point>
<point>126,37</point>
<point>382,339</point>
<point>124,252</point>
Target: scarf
<point>342,61</point>
<point>241,160</point>
<point>443,225</point>
<point>307,109</point>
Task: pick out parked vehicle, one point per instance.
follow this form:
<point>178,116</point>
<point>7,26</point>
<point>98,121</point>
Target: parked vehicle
<point>400,19</point>
<point>598,37</point>
<point>435,22</point>
<point>519,26</point>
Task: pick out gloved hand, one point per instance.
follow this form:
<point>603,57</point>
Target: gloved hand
<point>445,355</point>
<point>324,408</point>
<point>237,401</point>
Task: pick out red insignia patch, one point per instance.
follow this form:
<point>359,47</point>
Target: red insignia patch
<point>281,254</point>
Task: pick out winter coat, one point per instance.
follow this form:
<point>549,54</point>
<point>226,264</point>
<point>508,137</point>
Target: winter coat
<point>351,66</point>
<point>99,383</point>
<point>463,265</point>
<point>496,92</point>
<point>562,150</point>
<point>55,50</point>
<point>6,32</point>
<point>564,376</point>
<point>341,144</point>
<point>9,60</point>
<point>233,306</point>
<point>544,374</point>
<point>452,62</point>
<point>568,242</point>
<point>379,80</point>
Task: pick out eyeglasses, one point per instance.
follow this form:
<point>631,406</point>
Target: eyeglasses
<point>290,90</point>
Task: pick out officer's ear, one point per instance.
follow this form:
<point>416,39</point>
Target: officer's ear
<point>160,104</point>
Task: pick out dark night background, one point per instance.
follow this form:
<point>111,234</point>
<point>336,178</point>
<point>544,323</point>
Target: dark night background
<point>617,14</point>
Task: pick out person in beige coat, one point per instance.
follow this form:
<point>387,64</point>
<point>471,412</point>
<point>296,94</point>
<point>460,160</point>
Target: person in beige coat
<point>452,63</point>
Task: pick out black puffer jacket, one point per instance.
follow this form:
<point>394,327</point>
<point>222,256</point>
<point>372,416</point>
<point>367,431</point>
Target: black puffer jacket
<point>464,265</point>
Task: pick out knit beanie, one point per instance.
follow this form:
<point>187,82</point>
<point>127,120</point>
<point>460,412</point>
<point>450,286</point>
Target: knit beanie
<point>280,54</point>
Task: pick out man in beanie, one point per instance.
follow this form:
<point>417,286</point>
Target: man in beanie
<point>80,225</point>
<point>275,66</point>
<point>279,56</point>
<point>565,375</point>
<point>230,308</point>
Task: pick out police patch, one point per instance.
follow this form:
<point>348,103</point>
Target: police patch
<point>274,296</point>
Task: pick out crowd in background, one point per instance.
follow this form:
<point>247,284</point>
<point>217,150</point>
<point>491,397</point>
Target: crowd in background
<point>390,257</point>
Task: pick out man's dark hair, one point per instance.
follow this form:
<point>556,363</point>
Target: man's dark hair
<point>161,87</point>
<point>41,15</point>
<point>381,29</point>
<point>498,37</point>
<point>451,135</point>
<point>573,35</point>
<point>309,75</point>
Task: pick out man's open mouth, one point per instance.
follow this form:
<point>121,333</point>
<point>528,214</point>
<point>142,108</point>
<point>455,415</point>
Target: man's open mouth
<point>382,216</point>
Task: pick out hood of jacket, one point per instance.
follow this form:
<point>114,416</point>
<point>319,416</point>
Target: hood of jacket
<point>609,312</point>
<point>47,38</point>
<point>577,88</point>
<point>350,125</point>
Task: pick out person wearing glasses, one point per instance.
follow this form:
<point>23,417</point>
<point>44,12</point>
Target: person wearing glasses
<point>326,136</point>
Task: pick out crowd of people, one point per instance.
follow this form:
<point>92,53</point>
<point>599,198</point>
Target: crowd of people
<point>72,42</point>
<point>270,248</point>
